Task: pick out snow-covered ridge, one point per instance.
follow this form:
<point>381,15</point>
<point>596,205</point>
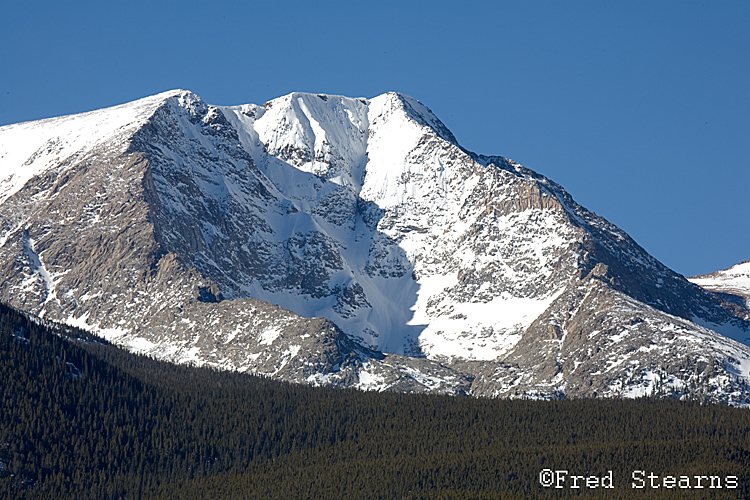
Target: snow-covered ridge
<point>319,134</point>
<point>735,278</point>
<point>734,281</point>
<point>332,130</point>
<point>38,145</point>
<point>335,137</point>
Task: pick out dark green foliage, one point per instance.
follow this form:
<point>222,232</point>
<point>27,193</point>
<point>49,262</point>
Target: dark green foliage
<point>82,419</point>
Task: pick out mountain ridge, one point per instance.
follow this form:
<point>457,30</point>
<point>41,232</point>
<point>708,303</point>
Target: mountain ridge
<point>436,268</point>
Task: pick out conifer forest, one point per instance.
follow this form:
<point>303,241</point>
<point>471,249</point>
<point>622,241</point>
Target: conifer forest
<point>83,419</point>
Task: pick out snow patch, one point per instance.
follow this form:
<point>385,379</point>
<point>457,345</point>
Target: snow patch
<point>268,336</point>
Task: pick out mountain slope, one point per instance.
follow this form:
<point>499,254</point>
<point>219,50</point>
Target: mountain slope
<point>171,226</point>
<point>733,283</point>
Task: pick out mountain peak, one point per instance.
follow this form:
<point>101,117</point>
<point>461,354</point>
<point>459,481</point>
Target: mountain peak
<point>423,115</point>
<point>217,235</point>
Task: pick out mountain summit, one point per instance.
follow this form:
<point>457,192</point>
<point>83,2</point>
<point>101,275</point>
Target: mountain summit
<point>352,242</point>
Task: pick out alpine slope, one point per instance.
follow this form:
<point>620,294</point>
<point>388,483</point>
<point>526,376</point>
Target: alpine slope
<point>350,242</point>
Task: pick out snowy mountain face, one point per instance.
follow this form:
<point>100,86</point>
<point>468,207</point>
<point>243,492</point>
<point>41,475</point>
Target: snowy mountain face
<point>733,283</point>
<point>351,242</point>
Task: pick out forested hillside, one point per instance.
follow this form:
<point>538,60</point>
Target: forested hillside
<point>83,419</point>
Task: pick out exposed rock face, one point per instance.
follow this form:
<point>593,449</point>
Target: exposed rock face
<point>224,235</point>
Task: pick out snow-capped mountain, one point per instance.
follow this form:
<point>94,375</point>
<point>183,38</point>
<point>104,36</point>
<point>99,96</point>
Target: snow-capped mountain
<point>353,242</point>
<point>733,283</point>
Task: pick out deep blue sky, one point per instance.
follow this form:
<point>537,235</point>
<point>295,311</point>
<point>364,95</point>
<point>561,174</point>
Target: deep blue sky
<point>640,109</point>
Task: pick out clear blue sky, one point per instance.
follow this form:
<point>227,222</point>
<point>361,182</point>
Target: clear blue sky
<point>640,109</point>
